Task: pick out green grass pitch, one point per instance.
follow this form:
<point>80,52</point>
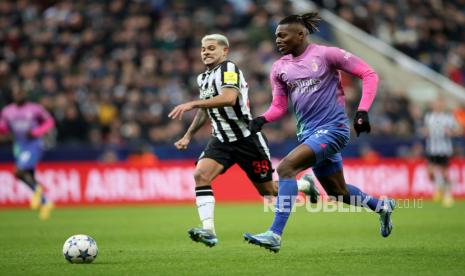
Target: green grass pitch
<point>152,240</point>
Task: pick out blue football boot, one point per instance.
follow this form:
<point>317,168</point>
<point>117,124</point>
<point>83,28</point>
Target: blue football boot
<point>385,217</point>
<point>268,240</point>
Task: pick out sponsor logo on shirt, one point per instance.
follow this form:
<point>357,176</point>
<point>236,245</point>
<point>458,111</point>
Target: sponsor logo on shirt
<point>206,93</point>
<point>307,85</point>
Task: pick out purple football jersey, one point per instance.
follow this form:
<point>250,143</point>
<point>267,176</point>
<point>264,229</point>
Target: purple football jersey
<point>312,83</point>
<point>20,120</point>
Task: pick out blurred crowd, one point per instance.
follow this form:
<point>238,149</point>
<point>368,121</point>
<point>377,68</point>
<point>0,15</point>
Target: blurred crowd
<point>110,71</point>
<point>430,31</point>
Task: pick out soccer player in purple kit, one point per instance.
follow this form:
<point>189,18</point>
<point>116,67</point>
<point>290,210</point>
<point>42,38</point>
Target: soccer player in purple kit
<point>308,74</point>
<point>28,122</point>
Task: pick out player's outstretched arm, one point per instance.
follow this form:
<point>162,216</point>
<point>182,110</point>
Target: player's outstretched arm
<point>277,110</point>
<point>199,120</point>
<point>257,123</point>
<point>228,97</point>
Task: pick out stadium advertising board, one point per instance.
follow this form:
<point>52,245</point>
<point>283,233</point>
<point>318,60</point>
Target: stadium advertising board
<point>171,182</point>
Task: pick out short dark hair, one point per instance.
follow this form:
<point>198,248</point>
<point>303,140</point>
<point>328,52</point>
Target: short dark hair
<point>308,20</point>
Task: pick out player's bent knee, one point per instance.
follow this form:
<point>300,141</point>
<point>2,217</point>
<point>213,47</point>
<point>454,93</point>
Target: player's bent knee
<point>286,171</point>
<point>202,178</point>
<point>268,188</point>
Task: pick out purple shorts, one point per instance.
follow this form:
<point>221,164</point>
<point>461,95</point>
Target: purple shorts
<point>327,143</point>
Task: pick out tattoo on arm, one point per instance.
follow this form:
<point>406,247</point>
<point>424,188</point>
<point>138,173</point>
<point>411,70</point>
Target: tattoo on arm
<point>199,120</point>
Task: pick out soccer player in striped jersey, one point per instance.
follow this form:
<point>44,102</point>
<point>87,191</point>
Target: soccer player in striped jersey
<point>28,122</point>
<point>439,128</point>
<point>308,75</point>
<point>224,99</point>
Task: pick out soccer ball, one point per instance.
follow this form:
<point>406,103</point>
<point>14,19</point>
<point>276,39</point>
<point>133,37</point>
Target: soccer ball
<point>80,249</point>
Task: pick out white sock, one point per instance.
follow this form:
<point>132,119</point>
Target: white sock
<point>447,189</point>
<point>205,206</point>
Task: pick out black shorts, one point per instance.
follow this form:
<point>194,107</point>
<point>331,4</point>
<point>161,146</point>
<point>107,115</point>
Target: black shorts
<point>442,160</point>
<point>250,153</point>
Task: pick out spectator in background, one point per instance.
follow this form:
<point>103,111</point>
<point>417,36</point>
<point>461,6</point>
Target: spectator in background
<point>429,31</point>
<point>368,155</point>
<point>72,128</point>
<point>459,114</point>
<point>439,127</point>
<point>109,156</point>
<point>143,155</point>
<point>124,64</point>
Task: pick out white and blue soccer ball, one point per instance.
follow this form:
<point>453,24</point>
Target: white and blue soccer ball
<point>80,249</point>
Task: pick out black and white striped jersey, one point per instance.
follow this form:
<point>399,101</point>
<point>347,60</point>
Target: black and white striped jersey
<point>229,123</point>
<point>438,141</point>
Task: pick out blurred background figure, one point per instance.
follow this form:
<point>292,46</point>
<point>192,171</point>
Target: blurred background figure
<point>109,156</point>
<point>143,155</point>
<point>27,122</point>
<point>440,126</point>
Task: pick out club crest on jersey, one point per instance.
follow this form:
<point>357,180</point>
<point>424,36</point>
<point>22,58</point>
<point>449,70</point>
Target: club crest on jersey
<point>347,55</point>
<point>314,67</point>
<point>230,77</point>
<point>283,76</point>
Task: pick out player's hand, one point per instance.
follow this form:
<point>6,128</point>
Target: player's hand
<point>179,110</point>
<point>256,124</point>
<point>361,122</point>
<point>182,143</point>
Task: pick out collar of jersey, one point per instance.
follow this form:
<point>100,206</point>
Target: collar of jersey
<point>301,56</point>
<point>214,68</point>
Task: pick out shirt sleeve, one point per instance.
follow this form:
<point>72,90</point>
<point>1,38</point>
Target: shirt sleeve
<point>278,107</point>
<point>347,62</point>
<point>3,123</point>
<point>46,122</point>
<point>278,86</point>
<point>42,114</point>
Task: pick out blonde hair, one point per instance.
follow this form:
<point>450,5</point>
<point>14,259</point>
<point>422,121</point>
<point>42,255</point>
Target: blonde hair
<point>222,40</point>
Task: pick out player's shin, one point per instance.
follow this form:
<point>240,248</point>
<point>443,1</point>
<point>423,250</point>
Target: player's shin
<point>287,192</point>
<point>358,198</point>
<point>205,206</point>
<point>27,176</point>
